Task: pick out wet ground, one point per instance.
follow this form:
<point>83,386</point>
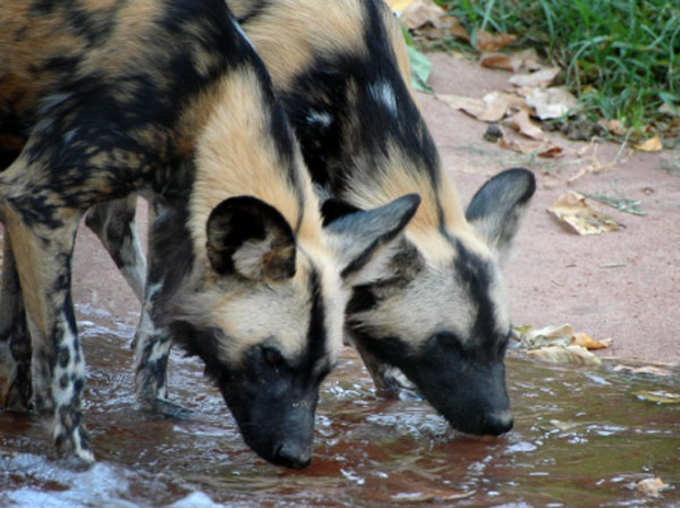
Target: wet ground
<point>581,438</point>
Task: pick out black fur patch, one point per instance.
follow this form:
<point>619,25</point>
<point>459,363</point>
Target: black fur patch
<point>333,209</point>
<point>324,86</point>
<point>474,274</point>
<point>317,335</point>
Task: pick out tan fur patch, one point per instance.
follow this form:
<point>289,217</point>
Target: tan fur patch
<point>34,265</point>
<point>310,27</point>
<point>234,156</point>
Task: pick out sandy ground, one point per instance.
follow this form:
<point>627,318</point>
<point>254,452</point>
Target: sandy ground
<point>556,276</point>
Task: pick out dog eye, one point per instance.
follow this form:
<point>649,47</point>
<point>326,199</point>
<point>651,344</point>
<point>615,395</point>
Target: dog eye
<point>272,356</point>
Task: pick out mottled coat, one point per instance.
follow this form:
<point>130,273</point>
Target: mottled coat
<point>434,304</point>
<point>101,100</point>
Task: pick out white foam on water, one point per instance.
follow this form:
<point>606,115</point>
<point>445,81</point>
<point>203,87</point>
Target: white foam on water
<point>100,485</point>
<point>195,500</point>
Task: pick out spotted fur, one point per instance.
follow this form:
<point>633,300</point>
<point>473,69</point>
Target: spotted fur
<point>341,72</point>
<point>102,100</point>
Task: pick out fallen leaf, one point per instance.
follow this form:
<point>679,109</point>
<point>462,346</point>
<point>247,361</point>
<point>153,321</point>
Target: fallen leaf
<point>531,338</point>
<point>525,126</point>
<point>468,104</point>
<point>584,340</point>
<point>543,77</point>
<point>613,126</point>
<point>500,61</point>
<point>419,13</point>
<point>457,29</point>
<point>546,149</point>
<point>551,152</point>
<point>659,396</point>
<point>651,486</point>
<point>573,209</point>
<point>493,107</point>
<point>651,145</point>
<point>553,102</point>
<point>530,59</point>
<point>487,42</point>
<point>569,355</point>
<point>497,105</point>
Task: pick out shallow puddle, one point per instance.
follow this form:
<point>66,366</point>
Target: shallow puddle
<point>581,438</point>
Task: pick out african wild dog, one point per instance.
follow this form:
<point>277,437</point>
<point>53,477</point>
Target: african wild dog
<point>100,100</point>
<point>341,71</point>
<point>433,304</point>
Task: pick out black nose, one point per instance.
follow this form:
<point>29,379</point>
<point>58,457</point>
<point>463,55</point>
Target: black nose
<point>498,423</point>
<point>293,455</point>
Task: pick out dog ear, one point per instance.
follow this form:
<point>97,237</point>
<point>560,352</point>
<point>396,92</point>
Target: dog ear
<point>357,237</point>
<point>251,238</point>
<point>497,209</point>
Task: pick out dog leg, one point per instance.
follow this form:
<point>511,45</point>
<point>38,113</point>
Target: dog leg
<point>389,381</point>
<point>43,253</point>
<point>114,223</point>
<point>15,346</point>
<point>152,343</point>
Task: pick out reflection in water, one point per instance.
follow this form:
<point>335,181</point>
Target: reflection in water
<point>580,438</point>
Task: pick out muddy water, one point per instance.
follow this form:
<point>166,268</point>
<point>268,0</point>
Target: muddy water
<point>581,438</point>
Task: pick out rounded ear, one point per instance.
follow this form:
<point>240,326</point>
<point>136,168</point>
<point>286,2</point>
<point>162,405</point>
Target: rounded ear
<point>251,238</point>
<point>497,209</point>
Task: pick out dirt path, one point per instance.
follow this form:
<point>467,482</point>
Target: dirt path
<point>557,276</point>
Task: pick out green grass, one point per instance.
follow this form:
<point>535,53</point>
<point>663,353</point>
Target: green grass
<point>622,57</point>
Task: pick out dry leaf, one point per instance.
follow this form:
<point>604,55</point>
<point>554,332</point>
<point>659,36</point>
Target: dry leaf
<point>458,30</point>
<point>529,58</point>
<point>544,77</point>
<point>586,341</point>
<point>500,61</point>
<point>613,126</point>
<point>651,486</point>
<point>569,355</point>
<point>513,62</point>
<point>419,13</point>
<point>650,145</point>
<point>525,126</point>
<point>552,102</point>
<point>551,152</point>
<point>573,209</point>
<point>467,104</point>
<point>488,42</point>
<point>547,336</point>
<point>545,149</point>
<point>497,105</point>
<point>491,108</point>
